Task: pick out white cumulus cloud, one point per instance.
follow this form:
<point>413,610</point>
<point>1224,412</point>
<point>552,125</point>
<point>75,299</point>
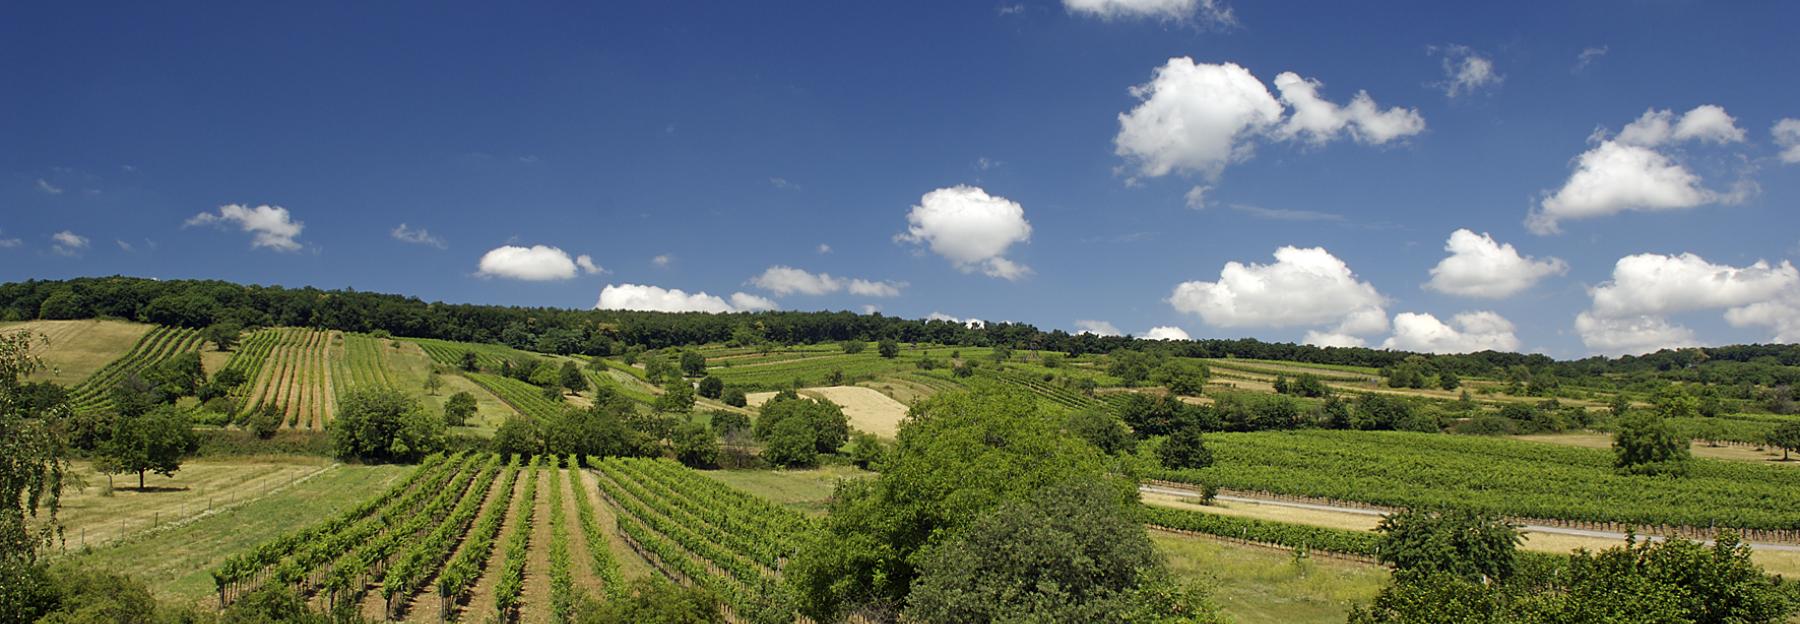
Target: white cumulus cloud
<point>648,298</point>
<point>1646,288</point>
<point>269,226</point>
<point>1303,287</point>
<point>1633,335</point>
<point>536,263</point>
<point>1466,333</point>
<point>1466,71</point>
<point>786,280</point>
<point>1480,267</point>
<point>1787,136</point>
<point>586,262</point>
<point>1166,332</point>
<point>1630,172</point>
<point>1208,11</point>
<point>1097,328</point>
<point>66,243</point>
<point>1197,118</point>
<point>970,228</point>
<point>1319,121</point>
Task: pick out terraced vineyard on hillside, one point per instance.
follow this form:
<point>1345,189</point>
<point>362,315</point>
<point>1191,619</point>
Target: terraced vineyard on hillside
<point>162,343</point>
<point>295,376</point>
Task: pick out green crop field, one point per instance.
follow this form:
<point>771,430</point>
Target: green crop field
<point>1509,477</point>
<point>295,375</point>
<point>157,345</point>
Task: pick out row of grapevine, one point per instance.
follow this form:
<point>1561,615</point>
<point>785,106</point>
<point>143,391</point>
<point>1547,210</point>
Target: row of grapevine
<point>562,580</point>
<point>162,343</point>
<point>459,576</point>
<point>1512,478</point>
<point>348,576</point>
<point>525,398</point>
<point>249,569</point>
<point>250,355</point>
<point>752,590</point>
<point>1300,536</point>
<point>1050,391</point>
<point>297,379</point>
<point>512,576</point>
<point>424,557</point>
<point>360,361</point>
<point>450,354</point>
<point>605,566</point>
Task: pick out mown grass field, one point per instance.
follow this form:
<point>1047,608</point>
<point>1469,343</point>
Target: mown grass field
<point>73,350</point>
<point>1256,585</point>
<point>97,513</point>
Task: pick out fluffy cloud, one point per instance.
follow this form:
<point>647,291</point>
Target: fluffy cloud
<point>1209,11</point>
<point>269,226</point>
<point>1787,135</point>
<point>1632,335</point>
<point>786,280</point>
<point>1097,328</point>
<point>1662,284</point>
<point>1199,117</point>
<point>658,299</point>
<point>746,302</point>
<point>536,263</point>
<point>1629,313</point>
<point>1303,287</point>
<point>1629,173</point>
<point>1707,122</point>
<point>586,262</point>
<point>970,228</point>
<point>1472,331</point>
<point>662,261</point>
<point>66,243</point>
<point>1480,267</point>
<point>1166,332</point>
<point>1466,71</point>
<point>970,322</point>
<point>1319,121</point>
<point>418,237</point>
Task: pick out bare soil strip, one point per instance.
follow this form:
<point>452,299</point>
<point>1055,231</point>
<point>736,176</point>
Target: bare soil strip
<point>534,599</point>
<point>580,559</point>
<point>480,607</point>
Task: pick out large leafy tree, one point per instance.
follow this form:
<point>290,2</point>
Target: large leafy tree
<point>824,420</point>
<point>959,456</point>
<point>1463,543</point>
<point>36,460</point>
<point>1644,442</point>
<point>383,424</point>
<point>152,442</point>
<point>1786,437</point>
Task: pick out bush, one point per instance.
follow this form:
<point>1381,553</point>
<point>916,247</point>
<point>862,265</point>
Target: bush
<point>696,446</point>
<point>458,408</point>
<point>712,387</point>
<point>888,348</point>
<point>790,443</point>
<point>383,424</point>
<point>734,396</point>
<point>266,420</point>
<point>854,347</point>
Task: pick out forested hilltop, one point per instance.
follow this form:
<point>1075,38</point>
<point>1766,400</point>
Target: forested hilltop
<point>200,303</point>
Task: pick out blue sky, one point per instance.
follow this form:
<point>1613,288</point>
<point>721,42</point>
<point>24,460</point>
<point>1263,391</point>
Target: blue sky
<point>974,159</point>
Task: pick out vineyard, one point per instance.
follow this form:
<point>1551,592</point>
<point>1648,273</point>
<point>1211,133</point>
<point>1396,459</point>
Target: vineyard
<point>160,344</point>
<point>525,398</point>
<point>700,530</point>
<point>483,536</point>
<point>293,373</point>
<point>1507,477</point>
<point>449,354</point>
<point>361,361</point>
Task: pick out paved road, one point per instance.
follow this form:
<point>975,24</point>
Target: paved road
<point>1529,528</point>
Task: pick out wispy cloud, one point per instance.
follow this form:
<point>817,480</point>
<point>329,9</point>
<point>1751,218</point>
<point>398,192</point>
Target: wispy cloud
<point>1588,56</point>
<point>48,188</point>
<point>67,243</point>
<point>1284,214</point>
<point>419,236</point>
<point>783,184</point>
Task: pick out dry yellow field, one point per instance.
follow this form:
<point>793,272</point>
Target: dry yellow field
<point>78,348</point>
<point>867,408</point>
<point>1604,441</point>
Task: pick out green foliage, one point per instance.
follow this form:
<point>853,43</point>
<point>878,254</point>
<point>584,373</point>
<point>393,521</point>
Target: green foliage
<point>1150,415</point>
<point>1644,443</point>
<point>734,396</point>
<point>790,442</point>
<point>693,364</point>
<point>888,348</point>
<point>383,424</point>
<point>726,423</point>
<point>1448,381</point>
<point>1132,367</point>
<point>517,435</point>
<point>651,600</point>
<point>61,305</point>
<point>696,446</point>
<point>677,397</point>
<point>469,362</point>
<point>1786,437</point>
<point>1069,553</point>
<point>1184,449</point>
<point>223,334</point>
<point>458,409</point>
<point>1181,377</point>
<point>570,377</point>
<point>867,451</point>
<point>1463,543</point>
<point>152,442</point>
<point>1380,412</point>
<point>853,347</point>
<point>1673,402</point>
<point>826,421</point>
<point>712,387</point>
<point>31,476</point>
<point>958,457</point>
<point>266,420</point>
<point>603,429</point>
<point>1103,430</point>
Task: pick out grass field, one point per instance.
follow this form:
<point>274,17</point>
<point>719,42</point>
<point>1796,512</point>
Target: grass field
<point>175,560</point>
<point>1256,585</point>
<point>96,514</point>
<point>77,349</point>
<point>804,490</point>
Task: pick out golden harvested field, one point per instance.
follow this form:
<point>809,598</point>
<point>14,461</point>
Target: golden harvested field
<point>868,409</point>
<point>78,348</point>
